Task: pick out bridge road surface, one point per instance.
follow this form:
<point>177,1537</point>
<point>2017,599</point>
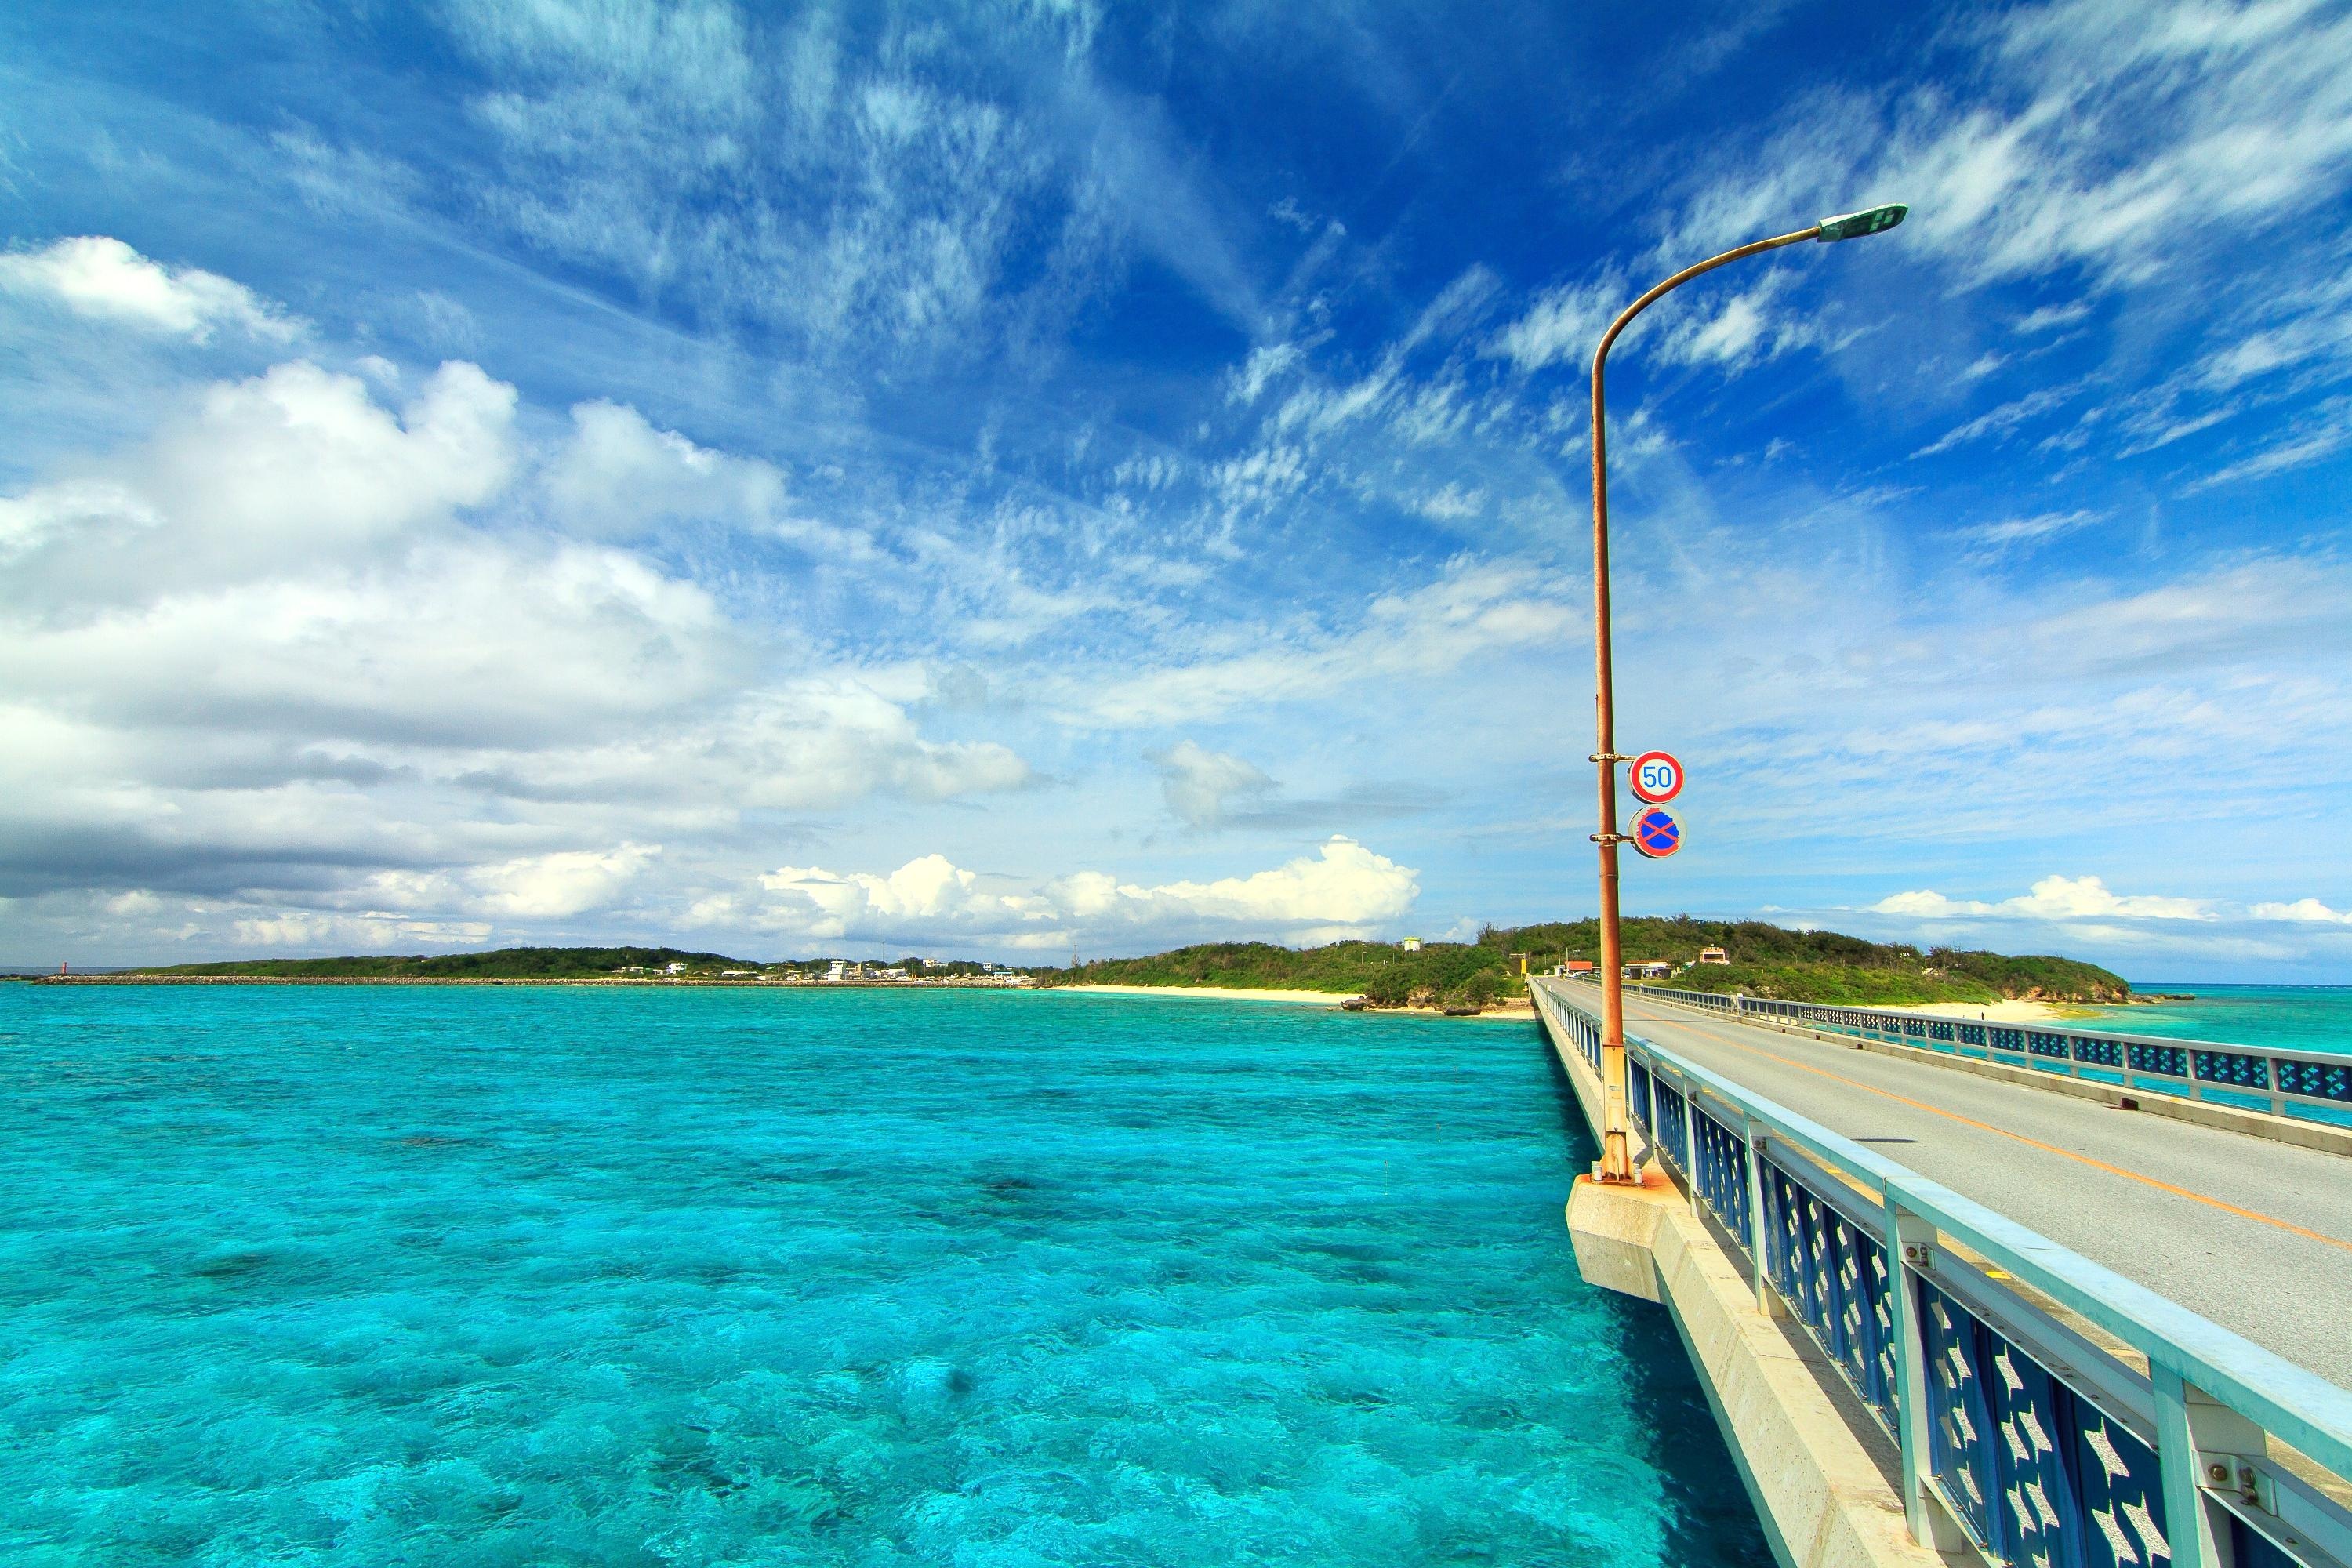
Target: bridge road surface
<point>2256,1235</point>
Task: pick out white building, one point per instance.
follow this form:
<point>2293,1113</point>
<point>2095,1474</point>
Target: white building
<point>1410,944</point>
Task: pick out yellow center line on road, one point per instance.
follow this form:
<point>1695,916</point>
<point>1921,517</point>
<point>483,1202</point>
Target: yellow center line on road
<point>2190,1194</point>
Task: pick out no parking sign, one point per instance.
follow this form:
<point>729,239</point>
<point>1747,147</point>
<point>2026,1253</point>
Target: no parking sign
<point>1655,832</point>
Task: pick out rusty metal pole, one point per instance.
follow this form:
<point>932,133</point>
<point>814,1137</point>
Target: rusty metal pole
<point>1616,1140</point>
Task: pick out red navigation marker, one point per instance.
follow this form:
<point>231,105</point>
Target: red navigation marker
<point>1656,778</point>
<point>1655,833</point>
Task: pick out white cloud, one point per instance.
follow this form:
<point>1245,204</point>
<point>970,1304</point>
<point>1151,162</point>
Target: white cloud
<point>2000,421</point>
<point>1564,323</point>
<point>1263,366</point>
<point>1202,785</point>
<point>1342,889</point>
<point>1990,541</point>
<point>2325,430</point>
<point>104,280</point>
<point>2310,911</point>
<point>1476,609</point>
<point>531,887</point>
<point>261,479</point>
<point>2053,898</point>
<point>302,650</point>
<point>348,933</point>
<point>2048,318</point>
<point>1452,503</point>
<point>1746,329</point>
<point>617,475</point>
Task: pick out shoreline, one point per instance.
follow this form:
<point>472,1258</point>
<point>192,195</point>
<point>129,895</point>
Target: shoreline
<point>2010,1012</point>
<point>1505,1013</point>
<point>649,981</point>
<point>1205,993</point>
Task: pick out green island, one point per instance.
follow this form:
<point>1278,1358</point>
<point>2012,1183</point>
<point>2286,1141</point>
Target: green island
<point>1750,956</point>
<point>1763,959</point>
<point>542,963</point>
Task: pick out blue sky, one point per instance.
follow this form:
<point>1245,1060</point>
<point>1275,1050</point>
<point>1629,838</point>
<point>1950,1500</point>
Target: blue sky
<point>992,479</point>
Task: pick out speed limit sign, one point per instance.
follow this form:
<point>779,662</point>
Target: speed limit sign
<point>1656,778</point>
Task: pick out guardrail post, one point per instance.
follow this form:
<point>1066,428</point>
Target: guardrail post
<point>1757,1235</point>
<point>1690,1144</point>
<point>2199,1442</point>
<point>1911,1251</point>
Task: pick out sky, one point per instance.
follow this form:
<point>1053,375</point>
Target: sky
<point>1023,479</point>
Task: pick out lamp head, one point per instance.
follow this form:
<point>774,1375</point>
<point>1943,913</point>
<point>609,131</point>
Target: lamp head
<point>1870,220</point>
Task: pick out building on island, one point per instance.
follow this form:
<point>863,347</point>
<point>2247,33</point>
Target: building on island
<point>1655,970</point>
<point>1713,955</point>
<point>1410,944</point>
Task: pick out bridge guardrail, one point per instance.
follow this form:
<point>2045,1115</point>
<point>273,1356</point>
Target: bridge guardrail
<point>2036,1444</point>
<point>2312,1085</point>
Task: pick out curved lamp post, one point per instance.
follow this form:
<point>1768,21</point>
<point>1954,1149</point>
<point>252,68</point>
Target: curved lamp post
<point>1616,1157</point>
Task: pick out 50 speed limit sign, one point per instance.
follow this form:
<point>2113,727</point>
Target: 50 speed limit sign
<point>1656,778</point>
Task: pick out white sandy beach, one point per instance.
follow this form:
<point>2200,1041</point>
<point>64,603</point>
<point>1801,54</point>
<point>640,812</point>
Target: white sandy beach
<point>1996,1012</point>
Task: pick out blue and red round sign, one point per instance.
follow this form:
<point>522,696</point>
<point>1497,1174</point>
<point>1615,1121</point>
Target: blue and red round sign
<point>1655,832</point>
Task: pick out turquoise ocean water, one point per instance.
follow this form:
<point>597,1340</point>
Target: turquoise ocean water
<point>473,1276</point>
<point>2284,1017</point>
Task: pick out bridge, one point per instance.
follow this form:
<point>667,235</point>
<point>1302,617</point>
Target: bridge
<point>1990,1294</point>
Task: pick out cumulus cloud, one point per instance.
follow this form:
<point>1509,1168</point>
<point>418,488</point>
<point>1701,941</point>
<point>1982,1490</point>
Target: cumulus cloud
<point>299,652</point>
<point>527,888</point>
<point>349,933</point>
<point>260,479</point>
<point>2053,898</point>
<point>1342,889</point>
<point>104,280</point>
<point>616,474</point>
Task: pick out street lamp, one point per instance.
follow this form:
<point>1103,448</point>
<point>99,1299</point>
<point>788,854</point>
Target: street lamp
<point>1616,1158</point>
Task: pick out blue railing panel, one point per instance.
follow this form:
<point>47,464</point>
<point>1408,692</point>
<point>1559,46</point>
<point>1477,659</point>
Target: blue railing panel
<point>2105,1053</point>
<point>2038,1473</point>
<point>1721,1175</point>
<point>2319,1081</point>
<point>1671,1133</point>
<point>2235,1069</point>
